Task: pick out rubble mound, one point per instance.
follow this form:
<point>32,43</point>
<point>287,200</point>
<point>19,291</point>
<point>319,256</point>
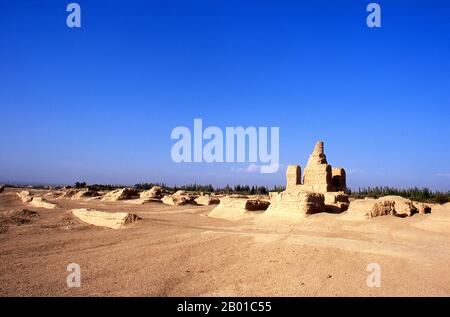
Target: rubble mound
<point>206,200</point>
<point>113,220</point>
<point>154,193</point>
<point>86,193</point>
<point>69,192</point>
<point>178,199</point>
<point>382,208</point>
<point>38,202</point>
<point>121,194</point>
<point>362,209</point>
<point>256,205</point>
<point>25,196</point>
<point>403,206</point>
<point>424,209</point>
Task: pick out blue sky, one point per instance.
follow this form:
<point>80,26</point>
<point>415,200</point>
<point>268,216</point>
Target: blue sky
<point>99,103</point>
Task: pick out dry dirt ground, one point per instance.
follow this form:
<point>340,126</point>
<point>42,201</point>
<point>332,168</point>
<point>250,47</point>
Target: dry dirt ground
<point>180,251</point>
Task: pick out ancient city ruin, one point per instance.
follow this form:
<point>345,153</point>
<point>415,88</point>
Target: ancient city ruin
<point>322,189</point>
<point>313,211</point>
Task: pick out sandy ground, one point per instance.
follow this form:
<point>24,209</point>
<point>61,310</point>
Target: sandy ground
<point>180,251</point>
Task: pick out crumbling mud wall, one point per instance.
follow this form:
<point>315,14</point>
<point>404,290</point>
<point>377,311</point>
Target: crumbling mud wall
<point>323,188</point>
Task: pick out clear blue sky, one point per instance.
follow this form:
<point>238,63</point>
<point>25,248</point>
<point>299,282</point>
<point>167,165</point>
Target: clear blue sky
<point>98,103</point>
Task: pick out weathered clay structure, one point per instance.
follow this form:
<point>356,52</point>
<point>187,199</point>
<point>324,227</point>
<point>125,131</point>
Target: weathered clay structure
<point>206,200</point>
<point>113,220</point>
<point>178,199</point>
<point>319,177</point>
<point>362,209</point>
<point>38,202</point>
<point>85,193</point>
<point>323,187</point>
<point>121,194</point>
<point>154,193</point>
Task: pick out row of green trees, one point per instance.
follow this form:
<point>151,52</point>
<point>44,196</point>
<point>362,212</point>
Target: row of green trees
<point>236,189</point>
<point>80,185</point>
<point>414,193</point>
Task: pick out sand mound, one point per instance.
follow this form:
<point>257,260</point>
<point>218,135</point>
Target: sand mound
<point>237,208</point>
<point>25,196</point>
<point>178,199</point>
<point>113,220</point>
<point>207,200</point>
<point>121,194</point>
<point>40,202</point>
<point>16,217</point>
<point>403,206</point>
<point>361,209</point>
<point>68,193</point>
<point>154,193</point>
<point>87,193</point>
<point>440,206</point>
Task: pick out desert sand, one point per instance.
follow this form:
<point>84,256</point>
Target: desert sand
<point>181,251</point>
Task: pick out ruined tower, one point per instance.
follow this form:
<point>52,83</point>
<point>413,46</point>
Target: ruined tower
<point>338,179</point>
<point>322,188</point>
<point>318,173</point>
<point>293,176</point>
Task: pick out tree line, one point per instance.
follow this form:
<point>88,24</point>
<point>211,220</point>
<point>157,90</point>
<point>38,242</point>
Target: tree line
<point>414,193</point>
<point>194,187</point>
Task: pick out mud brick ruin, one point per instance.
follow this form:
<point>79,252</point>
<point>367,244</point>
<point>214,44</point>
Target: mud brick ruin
<point>323,188</point>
